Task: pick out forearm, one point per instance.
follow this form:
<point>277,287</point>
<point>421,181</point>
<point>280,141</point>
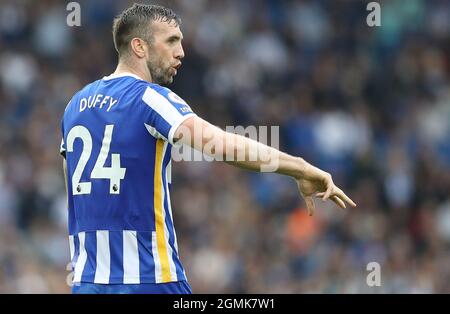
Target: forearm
<point>249,154</point>
<point>239,150</point>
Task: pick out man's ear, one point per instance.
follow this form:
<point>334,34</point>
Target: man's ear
<point>138,47</point>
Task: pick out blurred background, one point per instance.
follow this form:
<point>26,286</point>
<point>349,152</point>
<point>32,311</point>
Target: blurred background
<point>371,105</point>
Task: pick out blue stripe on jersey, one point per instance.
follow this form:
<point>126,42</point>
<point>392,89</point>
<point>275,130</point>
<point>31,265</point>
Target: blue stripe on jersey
<point>91,262</point>
<point>146,261</point>
<point>116,249</point>
<point>72,222</point>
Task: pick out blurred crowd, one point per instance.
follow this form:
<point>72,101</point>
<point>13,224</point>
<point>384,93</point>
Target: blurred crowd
<point>371,105</point>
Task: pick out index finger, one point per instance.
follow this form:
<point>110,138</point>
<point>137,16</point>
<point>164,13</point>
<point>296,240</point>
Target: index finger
<point>344,197</point>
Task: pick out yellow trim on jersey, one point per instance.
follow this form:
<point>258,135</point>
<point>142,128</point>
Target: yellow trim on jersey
<point>159,214</point>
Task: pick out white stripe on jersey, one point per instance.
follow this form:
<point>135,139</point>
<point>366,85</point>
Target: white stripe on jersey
<point>168,180</point>
<point>103,258</point>
<point>153,132</point>
<point>130,258</point>
<point>169,172</point>
<point>162,106</point>
<point>71,247</point>
<point>81,258</point>
<point>158,269</point>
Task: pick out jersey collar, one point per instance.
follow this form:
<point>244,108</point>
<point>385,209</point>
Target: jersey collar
<point>114,76</point>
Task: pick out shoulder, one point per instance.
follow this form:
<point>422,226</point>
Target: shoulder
<point>167,93</point>
<point>155,95</point>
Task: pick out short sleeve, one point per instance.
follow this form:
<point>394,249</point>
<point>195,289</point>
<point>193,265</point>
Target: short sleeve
<point>167,111</point>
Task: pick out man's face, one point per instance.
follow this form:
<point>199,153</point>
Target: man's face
<point>165,52</point>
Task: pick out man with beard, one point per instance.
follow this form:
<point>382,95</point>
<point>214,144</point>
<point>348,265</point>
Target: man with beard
<point>118,134</point>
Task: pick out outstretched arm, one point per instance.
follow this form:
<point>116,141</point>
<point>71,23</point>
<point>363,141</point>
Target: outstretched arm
<point>241,151</point>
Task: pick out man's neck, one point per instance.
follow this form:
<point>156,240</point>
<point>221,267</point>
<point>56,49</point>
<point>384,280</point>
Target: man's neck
<point>123,67</point>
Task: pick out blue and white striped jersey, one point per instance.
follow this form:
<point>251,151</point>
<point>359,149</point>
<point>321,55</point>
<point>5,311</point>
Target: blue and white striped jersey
<point>117,139</point>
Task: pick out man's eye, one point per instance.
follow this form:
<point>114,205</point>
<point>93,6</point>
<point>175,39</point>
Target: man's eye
<point>172,40</point>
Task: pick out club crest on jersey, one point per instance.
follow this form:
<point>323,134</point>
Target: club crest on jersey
<point>177,99</point>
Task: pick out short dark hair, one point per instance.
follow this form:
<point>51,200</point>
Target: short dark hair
<point>134,22</point>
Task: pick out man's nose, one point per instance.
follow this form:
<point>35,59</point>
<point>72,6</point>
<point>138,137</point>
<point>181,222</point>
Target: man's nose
<point>179,54</point>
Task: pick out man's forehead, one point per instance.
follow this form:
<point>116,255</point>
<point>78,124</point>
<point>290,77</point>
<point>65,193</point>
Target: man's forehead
<point>166,28</point>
